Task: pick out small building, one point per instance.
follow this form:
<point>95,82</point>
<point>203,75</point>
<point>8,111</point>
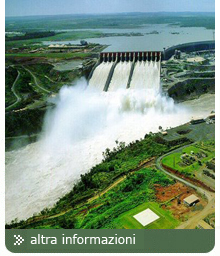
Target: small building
<point>196,59</point>
<point>164,133</point>
<point>83,42</point>
<point>177,54</point>
<point>33,51</point>
<point>66,46</point>
<point>185,155</point>
<point>197,121</point>
<point>212,116</point>
<point>191,200</point>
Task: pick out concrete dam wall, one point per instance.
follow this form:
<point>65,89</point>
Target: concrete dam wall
<point>121,70</point>
<point>189,47</point>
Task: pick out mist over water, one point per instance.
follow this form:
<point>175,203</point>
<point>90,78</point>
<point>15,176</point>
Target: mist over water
<point>83,124</point>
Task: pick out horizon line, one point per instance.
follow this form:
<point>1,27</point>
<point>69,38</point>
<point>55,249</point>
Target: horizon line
<point>111,13</point>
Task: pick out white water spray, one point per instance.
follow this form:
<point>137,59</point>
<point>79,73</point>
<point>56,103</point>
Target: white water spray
<point>100,75</point>
<point>83,124</point>
<point>120,76</point>
<point>146,76</point>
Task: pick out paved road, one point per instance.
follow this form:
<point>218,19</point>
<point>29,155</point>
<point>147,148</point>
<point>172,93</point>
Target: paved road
<point>176,78</point>
<point>36,82</point>
<point>209,208</point>
<point>52,81</point>
<point>206,179</point>
<point>18,98</point>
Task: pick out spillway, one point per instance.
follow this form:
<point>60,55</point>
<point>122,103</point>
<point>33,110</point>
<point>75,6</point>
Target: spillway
<point>100,75</point>
<point>146,75</point>
<point>120,76</point>
<point>134,70</point>
<point>154,79</point>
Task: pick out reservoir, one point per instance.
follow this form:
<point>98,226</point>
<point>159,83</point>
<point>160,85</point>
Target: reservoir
<point>154,37</point>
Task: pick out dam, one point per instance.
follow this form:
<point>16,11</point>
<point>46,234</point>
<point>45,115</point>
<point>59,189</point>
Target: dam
<point>126,70</point>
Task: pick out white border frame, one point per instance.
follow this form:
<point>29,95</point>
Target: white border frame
<point>3,249</point>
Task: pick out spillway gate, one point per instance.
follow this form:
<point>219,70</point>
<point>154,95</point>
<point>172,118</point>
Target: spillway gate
<point>130,56</point>
<point>116,70</point>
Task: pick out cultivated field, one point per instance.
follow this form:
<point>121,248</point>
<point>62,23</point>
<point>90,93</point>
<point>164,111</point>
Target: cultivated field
<point>194,161</point>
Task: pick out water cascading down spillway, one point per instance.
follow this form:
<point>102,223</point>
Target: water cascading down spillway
<point>120,70</point>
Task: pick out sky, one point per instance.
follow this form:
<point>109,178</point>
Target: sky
<point>53,7</point>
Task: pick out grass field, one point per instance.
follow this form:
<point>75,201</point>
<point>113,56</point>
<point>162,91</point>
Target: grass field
<point>64,36</point>
<point>166,220</point>
<point>74,35</point>
<point>174,159</point>
<point>36,42</point>
<point>62,55</point>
